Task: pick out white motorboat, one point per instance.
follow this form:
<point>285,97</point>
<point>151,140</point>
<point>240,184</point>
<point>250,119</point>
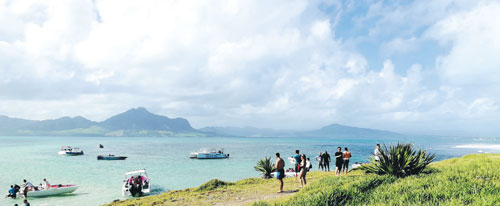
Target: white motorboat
<point>287,174</point>
<point>69,151</point>
<point>209,153</point>
<point>52,190</point>
<point>136,183</point>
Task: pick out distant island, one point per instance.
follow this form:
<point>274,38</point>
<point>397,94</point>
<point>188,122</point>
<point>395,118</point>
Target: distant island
<point>139,122</point>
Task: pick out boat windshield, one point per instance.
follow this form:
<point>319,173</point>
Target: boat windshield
<point>136,173</point>
<point>211,150</point>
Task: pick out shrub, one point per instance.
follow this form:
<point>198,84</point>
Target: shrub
<point>212,185</point>
<point>401,160</point>
<point>265,167</point>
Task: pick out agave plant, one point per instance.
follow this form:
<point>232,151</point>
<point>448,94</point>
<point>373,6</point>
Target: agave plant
<point>401,160</point>
<point>265,167</point>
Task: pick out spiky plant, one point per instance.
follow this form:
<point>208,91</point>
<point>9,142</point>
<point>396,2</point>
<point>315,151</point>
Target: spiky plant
<point>265,167</point>
<point>400,160</point>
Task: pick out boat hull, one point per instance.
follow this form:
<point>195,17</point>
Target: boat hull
<point>111,157</point>
<point>70,153</point>
<point>53,190</point>
<point>212,156</point>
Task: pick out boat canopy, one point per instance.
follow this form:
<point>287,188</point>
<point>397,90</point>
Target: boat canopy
<point>143,171</point>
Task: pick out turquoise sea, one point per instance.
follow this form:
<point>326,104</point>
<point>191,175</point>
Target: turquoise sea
<point>168,164</point>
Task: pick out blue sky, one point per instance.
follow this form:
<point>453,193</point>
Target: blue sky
<point>426,67</point>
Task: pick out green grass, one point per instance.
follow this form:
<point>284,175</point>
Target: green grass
<point>243,192</point>
<point>470,180</point>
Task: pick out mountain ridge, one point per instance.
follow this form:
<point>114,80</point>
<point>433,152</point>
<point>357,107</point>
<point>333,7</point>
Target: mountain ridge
<point>141,122</point>
<point>133,122</point>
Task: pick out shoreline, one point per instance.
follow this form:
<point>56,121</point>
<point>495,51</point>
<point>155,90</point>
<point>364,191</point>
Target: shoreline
<point>241,192</point>
<point>450,181</point>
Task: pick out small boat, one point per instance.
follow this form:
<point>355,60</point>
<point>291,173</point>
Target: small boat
<point>136,183</point>
<point>52,190</point>
<point>358,164</point>
<point>69,151</point>
<point>110,157</point>
<point>287,174</point>
<point>209,153</point>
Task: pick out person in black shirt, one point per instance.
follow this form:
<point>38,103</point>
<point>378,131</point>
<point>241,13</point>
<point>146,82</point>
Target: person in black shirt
<point>326,160</point>
<point>338,160</point>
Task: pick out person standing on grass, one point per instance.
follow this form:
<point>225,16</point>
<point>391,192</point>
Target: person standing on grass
<point>339,160</point>
<point>326,161</point>
<point>376,153</point>
<point>320,161</point>
<point>26,203</point>
<point>297,163</point>
<point>347,156</point>
<point>280,172</point>
<point>303,170</point>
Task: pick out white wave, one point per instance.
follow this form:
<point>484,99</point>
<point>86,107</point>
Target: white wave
<point>479,146</point>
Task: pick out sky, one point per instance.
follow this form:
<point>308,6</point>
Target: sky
<point>422,67</point>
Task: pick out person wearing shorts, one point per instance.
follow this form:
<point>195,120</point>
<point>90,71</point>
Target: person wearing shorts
<point>339,160</point>
<point>280,172</point>
<point>346,155</point>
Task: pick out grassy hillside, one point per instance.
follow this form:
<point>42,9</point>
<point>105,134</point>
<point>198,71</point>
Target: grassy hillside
<point>470,180</point>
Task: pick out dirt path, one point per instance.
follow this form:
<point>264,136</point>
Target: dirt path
<point>251,199</point>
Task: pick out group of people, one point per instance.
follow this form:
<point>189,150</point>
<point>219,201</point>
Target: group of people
<point>342,161</point>
<point>302,165</point>
<point>136,184</point>
<point>26,187</point>
<point>324,160</point>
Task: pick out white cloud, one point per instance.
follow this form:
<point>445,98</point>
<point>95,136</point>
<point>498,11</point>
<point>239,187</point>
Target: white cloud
<point>475,45</point>
<point>245,63</point>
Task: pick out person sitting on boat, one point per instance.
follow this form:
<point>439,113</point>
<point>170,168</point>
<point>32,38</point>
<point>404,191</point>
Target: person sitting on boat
<point>130,181</point>
<point>45,184</point>
<point>138,180</point>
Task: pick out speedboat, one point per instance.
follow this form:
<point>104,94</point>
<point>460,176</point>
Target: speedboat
<point>136,183</point>
<point>51,190</point>
<point>287,174</point>
<point>209,153</point>
<point>110,157</point>
<point>69,151</point>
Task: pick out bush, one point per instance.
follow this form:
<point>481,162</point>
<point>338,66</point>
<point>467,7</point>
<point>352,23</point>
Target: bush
<point>401,160</point>
<point>212,185</point>
<point>265,167</point>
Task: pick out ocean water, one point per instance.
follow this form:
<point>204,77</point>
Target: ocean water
<point>168,164</point>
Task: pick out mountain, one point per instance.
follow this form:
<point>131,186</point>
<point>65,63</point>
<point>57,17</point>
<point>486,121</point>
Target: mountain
<point>134,122</point>
<point>247,132</point>
<point>140,122</point>
<point>142,119</point>
<point>338,130</point>
<point>332,130</point>
<point>63,123</point>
